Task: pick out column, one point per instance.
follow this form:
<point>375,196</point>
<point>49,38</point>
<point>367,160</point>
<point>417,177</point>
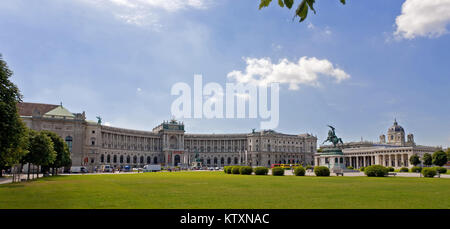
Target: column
<point>357,162</point>
<point>395,160</point>
<point>364,161</point>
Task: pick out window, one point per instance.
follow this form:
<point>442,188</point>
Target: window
<point>93,131</point>
<point>102,158</point>
<point>115,159</point>
<point>108,158</point>
<point>128,159</point>
<point>69,143</point>
<point>121,158</point>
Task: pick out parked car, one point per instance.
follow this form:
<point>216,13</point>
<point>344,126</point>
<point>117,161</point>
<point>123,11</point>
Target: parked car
<point>78,169</point>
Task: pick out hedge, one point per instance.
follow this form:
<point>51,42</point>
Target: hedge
<point>235,169</point>
<point>245,170</point>
<point>441,170</point>
<point>429,172</point>
<point>299,171</point>
<point>391,169</point>
<point>376,171</point>
<point>309,167</point>
<point>404,170</point>
<point>362,169</point>
<point>261,171</point>
<point>278,171</point>
<point>349,167</point>
<point>416,169</point>
<point>225,169</point>
<point>321,171</point>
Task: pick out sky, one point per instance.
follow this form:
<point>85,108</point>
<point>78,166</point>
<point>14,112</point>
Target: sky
<point>355,66</point>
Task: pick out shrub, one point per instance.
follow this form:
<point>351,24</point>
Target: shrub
<point>235,169</point>
<point>416,169</point>
<point>225,168</point>
<point>441,170</point>
<point>349,167</point>
<point>278,171</point>
<point>321,171</point>
<point>230,170</point>
<point>391,169</point>
<point>299,171</point>
<point>376,171</point>
<point>362,169</point>
<point>261,171</point>
<point>404,170</point>
<point>429,172</point>
<point>309,167</point>
<point>246,170</point>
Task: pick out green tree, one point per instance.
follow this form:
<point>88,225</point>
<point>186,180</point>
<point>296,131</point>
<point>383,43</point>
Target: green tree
<point>414,160</point>
<point>439,158</point>
<point>41,150</point>
<point>12,129</point>
<point>302,8</point>
<point>448,153</point>
<point>62,151</point>
<point>427,160</point>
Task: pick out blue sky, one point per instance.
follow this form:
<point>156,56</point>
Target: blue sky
<point>119,59</point>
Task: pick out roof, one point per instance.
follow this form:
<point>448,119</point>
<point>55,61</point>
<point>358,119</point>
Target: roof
<point>27,109</point>
<point>59,111</point>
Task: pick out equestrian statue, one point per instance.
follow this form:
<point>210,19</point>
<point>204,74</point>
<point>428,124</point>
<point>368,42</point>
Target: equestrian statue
<point>332,137</point>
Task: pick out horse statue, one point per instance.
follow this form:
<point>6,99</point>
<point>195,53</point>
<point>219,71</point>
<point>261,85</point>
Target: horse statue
<point>99,120</point>
<point>332,137</point>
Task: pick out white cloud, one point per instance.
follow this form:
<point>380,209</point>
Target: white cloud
<point>144,12</point>
<point>305,71</point>
<point>425,18</point>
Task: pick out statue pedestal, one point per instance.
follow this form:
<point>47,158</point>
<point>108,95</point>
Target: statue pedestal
<point>333,158</point>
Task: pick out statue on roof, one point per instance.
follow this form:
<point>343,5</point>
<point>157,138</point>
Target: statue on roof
<point>99,120</point>
<point>332,137</point>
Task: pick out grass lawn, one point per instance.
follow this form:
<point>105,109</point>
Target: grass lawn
<point>218,190</point>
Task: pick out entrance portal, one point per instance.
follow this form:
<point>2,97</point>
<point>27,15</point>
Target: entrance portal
<point>177,160</point>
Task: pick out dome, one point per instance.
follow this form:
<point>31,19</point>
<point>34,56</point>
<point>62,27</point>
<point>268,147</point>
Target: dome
<point>395,128</point>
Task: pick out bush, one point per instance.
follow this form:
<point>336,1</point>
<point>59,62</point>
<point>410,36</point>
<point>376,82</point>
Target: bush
<point>362,169</point>
<point>416,169</point>
<point>299,171</point>
<point>441,170</point>
<point>391,169</point>
<point>245,170</point>
<point>309,167</point>
<point>376,171</point>
<point>429,172</point>
<point>235,170</point>
<point>404,170</point>
<point>278,171</point>
<point>321,171</point>
<point>225,168</point>
<point>261,171</point>
<point>349,167</point>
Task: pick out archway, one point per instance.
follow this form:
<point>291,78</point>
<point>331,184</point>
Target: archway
<point>177,160</point>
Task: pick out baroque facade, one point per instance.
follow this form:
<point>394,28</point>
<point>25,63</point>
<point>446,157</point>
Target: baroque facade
<point>393,152</point>
<point>93,144</point>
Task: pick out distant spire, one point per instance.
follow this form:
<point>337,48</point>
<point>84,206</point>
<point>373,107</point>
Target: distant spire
<point>61,104</point>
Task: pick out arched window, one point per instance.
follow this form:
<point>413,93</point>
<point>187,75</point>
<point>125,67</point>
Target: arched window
<point>229,161</point>
<point>69,142</point>
<point>108,159</point>
<point>121,158</point>
<point>128,159</point>
<point>155,160</point>
<point>115,159</point>
<point>208,161</point>
<point>141,160</point>
<point>222,161</point>
<point>102,158</point>
<point>215,161</point>
<point>149,160</point>
<point>134,159</point>
<point>236,161</point>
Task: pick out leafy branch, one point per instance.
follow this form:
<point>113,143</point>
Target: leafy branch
<point>302,9</point>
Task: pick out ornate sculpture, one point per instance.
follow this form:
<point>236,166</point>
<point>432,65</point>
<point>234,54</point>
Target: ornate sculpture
<point>332,137</point>
<point>99,120</point>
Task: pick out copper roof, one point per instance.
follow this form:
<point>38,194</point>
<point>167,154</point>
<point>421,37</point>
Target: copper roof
<point>27,109</point>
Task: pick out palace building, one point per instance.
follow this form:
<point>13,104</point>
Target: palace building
<point>92,144</point>
<point>393,152</point>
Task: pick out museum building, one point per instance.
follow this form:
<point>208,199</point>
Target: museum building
<point>93,144</point>
<point>393,152</point>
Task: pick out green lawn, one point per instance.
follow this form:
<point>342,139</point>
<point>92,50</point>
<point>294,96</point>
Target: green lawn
<point>218,190</point>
